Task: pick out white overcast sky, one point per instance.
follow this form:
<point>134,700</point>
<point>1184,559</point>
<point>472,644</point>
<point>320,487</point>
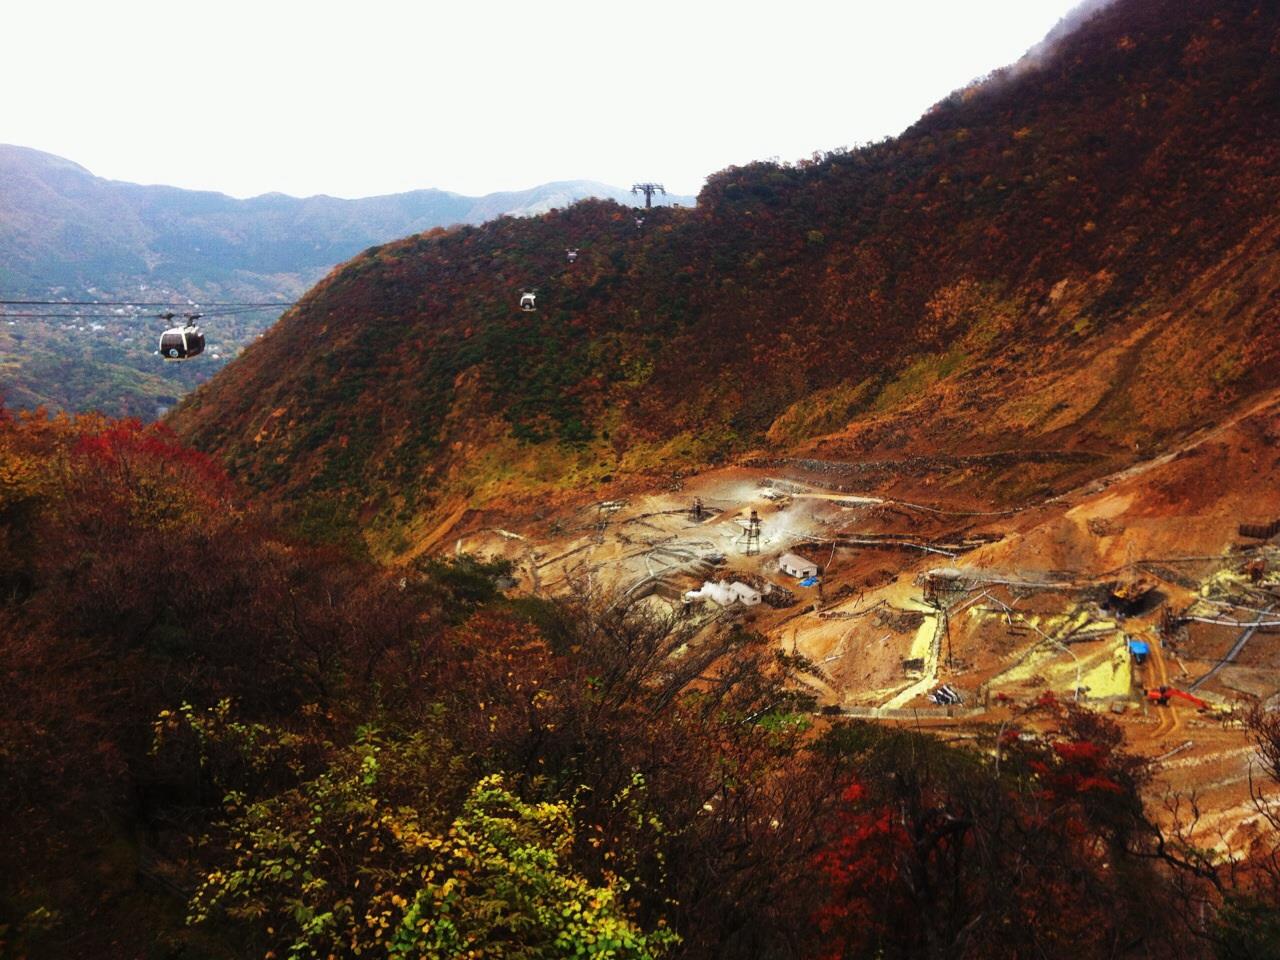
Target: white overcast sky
<point>368,97</point>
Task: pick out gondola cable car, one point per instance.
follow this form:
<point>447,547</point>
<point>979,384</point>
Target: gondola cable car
<point>181,342</point>
<point>571,254</point>
<point>528,301</point>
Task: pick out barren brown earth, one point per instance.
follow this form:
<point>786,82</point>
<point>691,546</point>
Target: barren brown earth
<point>1028,590</point>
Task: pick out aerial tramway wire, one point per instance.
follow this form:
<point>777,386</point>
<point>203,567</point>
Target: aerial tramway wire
<point>180,342</point>
<point>116,316</point>
<point>224,309</point>
<point>259,304</point>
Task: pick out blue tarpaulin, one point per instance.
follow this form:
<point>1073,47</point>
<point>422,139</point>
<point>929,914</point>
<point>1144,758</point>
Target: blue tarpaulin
<point>808,581</point>
<point>1138,648</point>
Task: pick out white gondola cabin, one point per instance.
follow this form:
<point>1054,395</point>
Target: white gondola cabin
<point>528,302</point>
<point>182,343</point>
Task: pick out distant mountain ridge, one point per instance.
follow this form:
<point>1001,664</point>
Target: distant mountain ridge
<point>62,226</point>
<point>66,233</point>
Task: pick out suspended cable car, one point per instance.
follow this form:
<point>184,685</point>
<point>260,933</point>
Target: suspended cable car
<point>527,303</point>
<point>184,342</point>
<point>639,221</point>
<point>572,254</point>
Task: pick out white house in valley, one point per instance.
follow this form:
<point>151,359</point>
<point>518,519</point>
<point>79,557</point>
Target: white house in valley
<point>797,566</point>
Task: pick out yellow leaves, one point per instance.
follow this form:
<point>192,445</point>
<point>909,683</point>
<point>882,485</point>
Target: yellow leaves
<point>389,883</point>
<point>18,475</point>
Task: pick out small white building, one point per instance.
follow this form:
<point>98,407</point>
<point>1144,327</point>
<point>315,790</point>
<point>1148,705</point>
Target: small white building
<point>797,566</point>
<point>725,594</point>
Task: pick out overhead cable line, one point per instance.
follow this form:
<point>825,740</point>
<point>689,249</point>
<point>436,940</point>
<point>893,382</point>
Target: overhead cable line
<point>107,316</point>
<point>145,303</point>
<point>74,316</point>
<point>47,314</point>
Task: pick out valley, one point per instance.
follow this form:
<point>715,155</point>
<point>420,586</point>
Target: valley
<point>925,587</point>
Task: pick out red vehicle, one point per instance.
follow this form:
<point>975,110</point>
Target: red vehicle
<point>1161,696</point>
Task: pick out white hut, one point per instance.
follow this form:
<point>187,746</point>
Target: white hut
<point>797,566</point>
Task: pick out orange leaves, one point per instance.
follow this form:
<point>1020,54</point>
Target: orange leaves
<point>75,454</point>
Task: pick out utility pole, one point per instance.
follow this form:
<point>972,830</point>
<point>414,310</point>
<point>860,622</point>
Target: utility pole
<point>648,190</point>
<point>751,534</point>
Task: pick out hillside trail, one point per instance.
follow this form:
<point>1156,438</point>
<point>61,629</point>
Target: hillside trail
<point>437,533</point>
<point>1269,400</point>
<point>1197,438</point>
<point>1157,677</point>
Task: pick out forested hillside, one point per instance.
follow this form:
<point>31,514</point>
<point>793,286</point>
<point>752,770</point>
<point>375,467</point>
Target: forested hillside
<point>1076,255</point>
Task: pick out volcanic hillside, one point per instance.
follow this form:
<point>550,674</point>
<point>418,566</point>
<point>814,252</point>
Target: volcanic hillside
<point>1056,272</point>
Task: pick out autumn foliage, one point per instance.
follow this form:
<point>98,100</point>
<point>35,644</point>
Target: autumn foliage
<point>175,670</point>
<point>226,732</point>
<point>1040,848</point>
<point>262,746</point>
